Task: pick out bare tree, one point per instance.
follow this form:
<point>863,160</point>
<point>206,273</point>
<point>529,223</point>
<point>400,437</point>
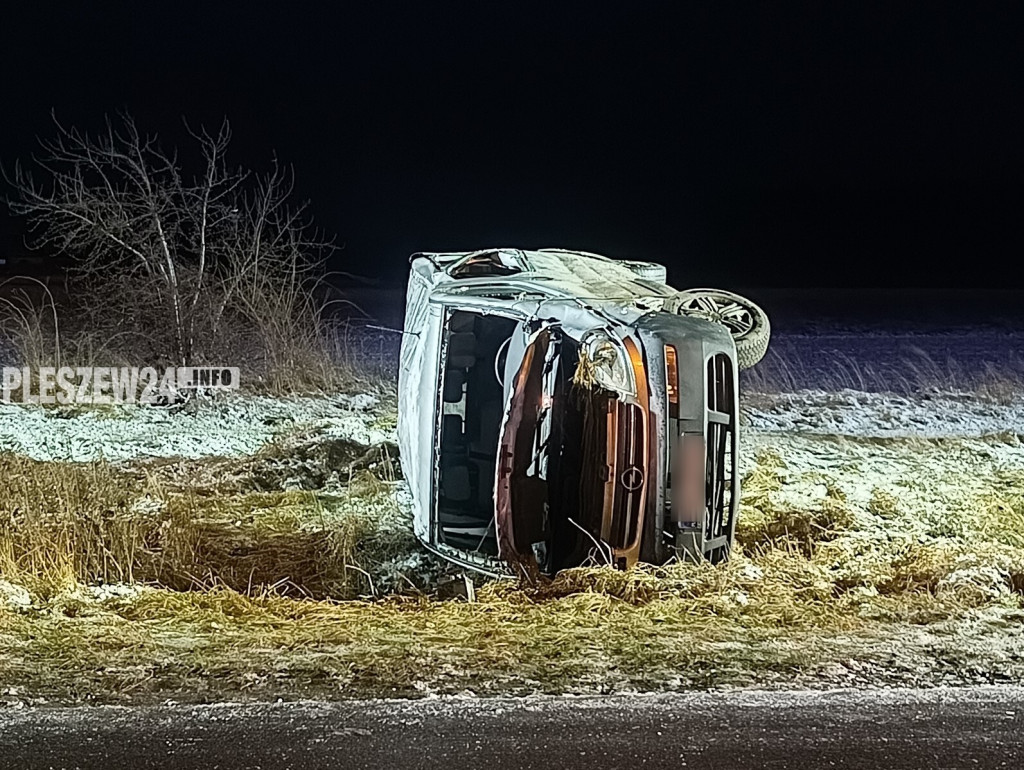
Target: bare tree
<point>189,247</point>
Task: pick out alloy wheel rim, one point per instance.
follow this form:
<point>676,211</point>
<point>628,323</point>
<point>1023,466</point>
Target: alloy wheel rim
<point>722,310</point>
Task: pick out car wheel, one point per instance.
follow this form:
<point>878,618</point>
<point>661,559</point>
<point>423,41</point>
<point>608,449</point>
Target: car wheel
<point>747,323</point>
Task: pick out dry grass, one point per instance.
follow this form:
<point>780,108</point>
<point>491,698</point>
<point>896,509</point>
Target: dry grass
<point>770,619</point>
<point>223,641</point>
<point>764,524</point>
<point>284,342</point>
<point>64,522</point>
<point>254,588</point>
<point>915,371</point>
<point>94,523</point>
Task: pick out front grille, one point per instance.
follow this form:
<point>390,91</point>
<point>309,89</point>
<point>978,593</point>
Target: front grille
<point>629,464</point>
<point>720,458</point>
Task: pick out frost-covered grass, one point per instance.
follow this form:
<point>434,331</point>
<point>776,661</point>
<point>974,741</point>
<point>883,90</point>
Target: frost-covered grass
<point>986,364</point>
<point>226,426</point>
<point>772,619</point>
<point>866,555</point>
<point>188,525</point>
<point>883,415</point>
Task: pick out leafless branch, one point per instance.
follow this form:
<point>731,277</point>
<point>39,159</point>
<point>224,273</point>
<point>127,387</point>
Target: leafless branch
<point>193,246</point>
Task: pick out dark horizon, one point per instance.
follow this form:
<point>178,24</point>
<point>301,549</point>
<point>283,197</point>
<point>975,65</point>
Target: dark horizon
<point>745,147</point>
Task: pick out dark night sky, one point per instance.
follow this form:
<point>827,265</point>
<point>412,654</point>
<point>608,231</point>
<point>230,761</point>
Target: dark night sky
<point>745,145</point>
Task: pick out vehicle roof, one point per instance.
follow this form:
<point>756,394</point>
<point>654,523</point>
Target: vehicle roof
<point>555,271</point>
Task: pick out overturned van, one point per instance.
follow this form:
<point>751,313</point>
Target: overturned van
<point>558,408</point>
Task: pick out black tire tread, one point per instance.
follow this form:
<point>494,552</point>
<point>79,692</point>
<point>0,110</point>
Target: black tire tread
<point>752,348</point>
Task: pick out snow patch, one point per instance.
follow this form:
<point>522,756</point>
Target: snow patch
<point>223,427</point>
<point>14,596</point>
<point>882,415</point>
<point>980,583</point>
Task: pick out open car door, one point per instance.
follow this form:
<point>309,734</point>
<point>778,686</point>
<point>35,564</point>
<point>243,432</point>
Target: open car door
<point>521,484</point>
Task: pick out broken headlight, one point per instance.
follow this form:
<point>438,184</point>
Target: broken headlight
<point>608,363</point>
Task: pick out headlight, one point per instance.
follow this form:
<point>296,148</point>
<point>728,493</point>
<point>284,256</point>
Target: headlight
<point>611,367</point>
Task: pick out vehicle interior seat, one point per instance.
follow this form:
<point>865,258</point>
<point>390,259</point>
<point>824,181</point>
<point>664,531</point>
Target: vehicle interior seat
<point>461,350</point>
<point>484,442</point>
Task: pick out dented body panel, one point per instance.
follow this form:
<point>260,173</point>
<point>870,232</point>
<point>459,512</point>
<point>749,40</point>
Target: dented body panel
<point>537,427</point>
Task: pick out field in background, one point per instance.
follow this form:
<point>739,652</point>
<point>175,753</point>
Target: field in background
<point>907,342</point>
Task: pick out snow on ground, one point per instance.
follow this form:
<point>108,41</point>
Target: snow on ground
<point>235,425</point>
<point>916,487</point>
<point>882,415</point>
<point>225,426</point>
<point>928,470</point>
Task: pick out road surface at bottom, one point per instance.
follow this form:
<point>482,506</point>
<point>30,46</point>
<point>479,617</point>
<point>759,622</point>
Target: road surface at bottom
<point>891,729</point>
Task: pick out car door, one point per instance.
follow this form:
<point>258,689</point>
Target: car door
<point>521,484</point>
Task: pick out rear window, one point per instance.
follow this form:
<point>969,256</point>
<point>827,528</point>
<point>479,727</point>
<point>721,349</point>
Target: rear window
<point>487,263</point>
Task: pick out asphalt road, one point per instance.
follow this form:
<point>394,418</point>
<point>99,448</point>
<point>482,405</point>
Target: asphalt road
<point>891,729</point>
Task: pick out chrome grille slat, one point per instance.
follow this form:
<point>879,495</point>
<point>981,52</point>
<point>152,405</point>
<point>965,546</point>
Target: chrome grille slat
<point>720,414</point>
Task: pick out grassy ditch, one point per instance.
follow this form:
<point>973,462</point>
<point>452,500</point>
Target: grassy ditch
<point>193,525</point>
<point>211,579</point>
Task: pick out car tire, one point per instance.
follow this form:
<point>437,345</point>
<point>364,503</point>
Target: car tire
<point>747,323</point>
